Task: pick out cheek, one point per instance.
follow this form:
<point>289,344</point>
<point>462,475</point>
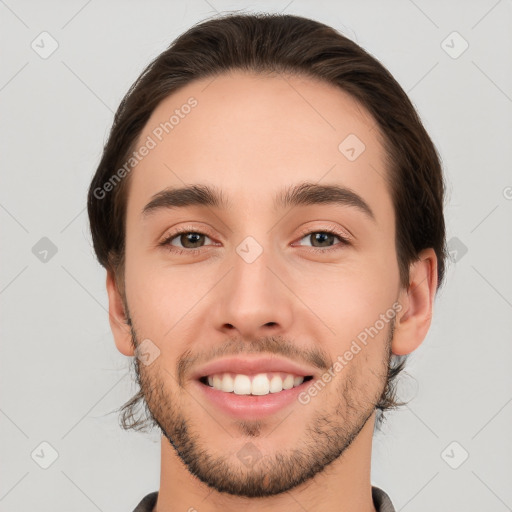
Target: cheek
<point>162,299</point>
<point>350,297</point>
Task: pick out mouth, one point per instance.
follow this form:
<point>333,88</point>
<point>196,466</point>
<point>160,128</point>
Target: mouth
<point>252,397</point>
<point>252,387</point>
<point>259,384</point>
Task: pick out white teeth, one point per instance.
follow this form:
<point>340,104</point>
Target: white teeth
<point>217,381</point>
<point>276,384</point>
<point>228,384</point>
<point>242,385</point>
<point>288,382</point>
<point>260,384</point>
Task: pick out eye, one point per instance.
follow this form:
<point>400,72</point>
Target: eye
<point>324,238</point>
<point>189,239</point>
<point>185,241</point>
<point>190,242</point>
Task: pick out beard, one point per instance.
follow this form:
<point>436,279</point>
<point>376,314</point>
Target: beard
<point>325,437</point>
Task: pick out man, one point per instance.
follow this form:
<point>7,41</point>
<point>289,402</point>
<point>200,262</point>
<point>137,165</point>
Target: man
<point>269,210</point>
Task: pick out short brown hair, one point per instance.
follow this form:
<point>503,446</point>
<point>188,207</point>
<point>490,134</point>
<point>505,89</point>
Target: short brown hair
<point>269,43</point>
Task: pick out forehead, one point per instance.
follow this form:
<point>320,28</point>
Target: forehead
<point>252,135</point>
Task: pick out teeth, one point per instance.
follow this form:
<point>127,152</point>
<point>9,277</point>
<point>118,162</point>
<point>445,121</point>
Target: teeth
<point>217,382</point>
<point>276,384</point>
<point>228,384</point>
<point>260,384</point>
<point>288,382</point>
<point>242,385</point>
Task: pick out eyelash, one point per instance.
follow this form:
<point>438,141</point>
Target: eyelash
<point>171,248</point>
<point>192,252</point>
<point>343,240</point>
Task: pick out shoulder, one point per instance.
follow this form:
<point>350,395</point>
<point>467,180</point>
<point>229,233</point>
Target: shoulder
<point>381,500</point>
<point>147,503</point>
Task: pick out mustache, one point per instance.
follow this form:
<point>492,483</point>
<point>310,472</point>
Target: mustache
<point>275,345</point>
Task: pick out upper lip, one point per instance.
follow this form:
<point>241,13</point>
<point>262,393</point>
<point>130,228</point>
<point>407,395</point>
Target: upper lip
<point>249,366</point>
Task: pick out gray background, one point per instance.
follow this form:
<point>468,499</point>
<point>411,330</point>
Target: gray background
<point>61,375</point>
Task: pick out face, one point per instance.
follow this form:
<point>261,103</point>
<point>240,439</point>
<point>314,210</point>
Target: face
<point>272,270</point>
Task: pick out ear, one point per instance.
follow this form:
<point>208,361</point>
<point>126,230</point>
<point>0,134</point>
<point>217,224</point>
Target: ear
<point>117,317</point>
<point>413,322</point>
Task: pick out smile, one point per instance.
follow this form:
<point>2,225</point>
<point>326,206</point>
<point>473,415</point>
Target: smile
<point>248,405</point>
<point>259,384</point>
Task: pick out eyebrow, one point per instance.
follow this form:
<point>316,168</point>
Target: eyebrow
<point>302,194</point>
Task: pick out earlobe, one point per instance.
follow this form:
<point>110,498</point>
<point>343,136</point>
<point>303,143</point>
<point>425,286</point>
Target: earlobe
<point>414,321</point>
<point>117,317</point>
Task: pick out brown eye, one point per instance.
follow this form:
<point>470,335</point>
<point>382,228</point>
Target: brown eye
<point>185,241</point>
<point>323,239</point>
<point>190,240</point>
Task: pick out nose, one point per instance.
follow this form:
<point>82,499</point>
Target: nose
<point>254,299</point>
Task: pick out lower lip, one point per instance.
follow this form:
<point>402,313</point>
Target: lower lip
<point>252,406</point>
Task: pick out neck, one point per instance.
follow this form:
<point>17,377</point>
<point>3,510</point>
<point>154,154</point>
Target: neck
<point>344,485</point>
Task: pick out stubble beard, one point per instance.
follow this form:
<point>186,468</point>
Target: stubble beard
<point>328,434</point>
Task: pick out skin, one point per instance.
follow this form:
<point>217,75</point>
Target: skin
<point>251,136</point>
